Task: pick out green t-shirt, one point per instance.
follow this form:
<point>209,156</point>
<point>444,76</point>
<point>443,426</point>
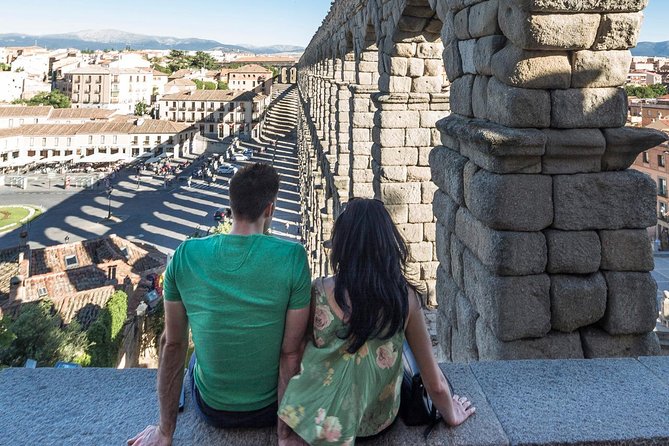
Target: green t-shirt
<point>236,290</point>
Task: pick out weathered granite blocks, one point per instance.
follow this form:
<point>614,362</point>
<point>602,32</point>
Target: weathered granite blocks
<point>631,304</point>
<point>577,301</point>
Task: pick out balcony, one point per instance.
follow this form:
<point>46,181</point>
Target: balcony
<point>580,402</point>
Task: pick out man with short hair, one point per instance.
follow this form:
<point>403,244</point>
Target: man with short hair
<point>246,298</point>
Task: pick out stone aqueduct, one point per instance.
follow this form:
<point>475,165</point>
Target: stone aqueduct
<point>493,131</point>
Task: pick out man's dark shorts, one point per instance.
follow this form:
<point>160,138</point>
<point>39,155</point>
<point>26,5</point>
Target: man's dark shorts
<point>264,417</point>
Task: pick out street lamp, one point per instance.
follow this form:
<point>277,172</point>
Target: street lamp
<point>109,194</point>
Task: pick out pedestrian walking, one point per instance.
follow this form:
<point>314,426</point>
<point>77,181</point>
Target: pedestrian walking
<point>190,179</point>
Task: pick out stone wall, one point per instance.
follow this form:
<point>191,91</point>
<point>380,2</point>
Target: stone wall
<point>509,179</point>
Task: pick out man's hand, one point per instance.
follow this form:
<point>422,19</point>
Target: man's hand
<point>151,436</point>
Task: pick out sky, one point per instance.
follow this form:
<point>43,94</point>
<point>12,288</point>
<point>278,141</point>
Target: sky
<point>253,22</point>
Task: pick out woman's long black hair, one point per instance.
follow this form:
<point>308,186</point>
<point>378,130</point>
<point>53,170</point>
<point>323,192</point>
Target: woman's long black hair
<point>369,259</point>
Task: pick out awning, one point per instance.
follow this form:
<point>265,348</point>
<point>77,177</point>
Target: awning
<point>56,159</point>
<point>19,162</point>
<point>98,158</point>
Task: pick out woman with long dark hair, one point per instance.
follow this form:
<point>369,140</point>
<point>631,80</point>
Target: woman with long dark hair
<point>349,385</point>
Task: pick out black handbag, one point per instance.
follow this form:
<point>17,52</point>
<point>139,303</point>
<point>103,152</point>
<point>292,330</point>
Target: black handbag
<point>416,407</point>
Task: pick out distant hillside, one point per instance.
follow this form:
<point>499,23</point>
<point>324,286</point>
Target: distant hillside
<point>659,49</point>
<point>114,39</point>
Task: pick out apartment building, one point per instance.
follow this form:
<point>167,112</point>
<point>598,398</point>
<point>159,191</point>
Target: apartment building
<point>251,78</point>
<point>217,113</point>
<point>94,142</point>
<point>119,89</point>
<point>11,85</point>
<point>644,112</point>
<point>15,116</point>
<point>653,162</point>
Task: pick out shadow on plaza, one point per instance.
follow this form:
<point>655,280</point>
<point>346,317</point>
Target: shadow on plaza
<point>162,217</point>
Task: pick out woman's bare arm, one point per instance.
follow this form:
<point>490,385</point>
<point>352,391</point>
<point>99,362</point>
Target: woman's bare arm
<point>455,409</point>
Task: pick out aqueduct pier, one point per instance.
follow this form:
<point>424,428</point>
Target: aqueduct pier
<point>494,132</point>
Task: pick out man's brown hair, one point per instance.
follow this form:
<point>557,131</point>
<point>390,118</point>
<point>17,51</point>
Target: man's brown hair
<point>252,188</point>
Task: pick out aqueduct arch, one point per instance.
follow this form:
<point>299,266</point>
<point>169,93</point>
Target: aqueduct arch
<point>510,183</point>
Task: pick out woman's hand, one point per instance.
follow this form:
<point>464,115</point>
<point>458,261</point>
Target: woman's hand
<point>461,410</point>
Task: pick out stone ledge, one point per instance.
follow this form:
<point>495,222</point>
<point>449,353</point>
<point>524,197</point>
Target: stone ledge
<point>578,402</point>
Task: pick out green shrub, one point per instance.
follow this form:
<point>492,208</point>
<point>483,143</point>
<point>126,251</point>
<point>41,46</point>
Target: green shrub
<point>105,334</point>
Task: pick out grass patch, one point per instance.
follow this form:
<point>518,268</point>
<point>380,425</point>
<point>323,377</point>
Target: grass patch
<point>13,216</point>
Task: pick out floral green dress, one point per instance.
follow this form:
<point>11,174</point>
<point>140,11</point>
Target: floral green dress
<point>338,396</point>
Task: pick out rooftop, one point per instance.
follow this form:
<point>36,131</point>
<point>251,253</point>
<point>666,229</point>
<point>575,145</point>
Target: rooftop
<point>115,126</point>
<point>211,95</point>
<point>17,111</point>
<point>576,402</point>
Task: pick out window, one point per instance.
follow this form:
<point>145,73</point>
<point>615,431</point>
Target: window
<point>125,252</point>
<point>158,139</point>
<point>42,292</point>
<point>662,186</point>
<point>43,142</point>
<point>69,142</point>
<point>115,139</point>
<point>20,121</point>
<point>211,129</point>
<point>55,142</point>
<point>90,139</point>
<point>663,209</point>
<point>111,272</point>
<point>102,139</point>
<point>646,158</point>
<point>71,261</point>
<point>11,123</point>
<point>147,139</point>
<point>32,142</point>
<point>660,160</point>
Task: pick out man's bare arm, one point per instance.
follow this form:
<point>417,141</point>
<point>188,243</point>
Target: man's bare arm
<point>291,353</point>
<point>173,348</point>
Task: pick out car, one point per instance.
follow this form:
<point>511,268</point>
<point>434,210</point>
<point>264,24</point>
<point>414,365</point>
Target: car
<point>227,168</point>
<point>241,157</point>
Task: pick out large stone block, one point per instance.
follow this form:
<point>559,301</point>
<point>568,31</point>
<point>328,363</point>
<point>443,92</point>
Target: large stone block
<point>511,202</point>
<point>599,344</point>
<point>480,97</point>
<point>400,193</point>
<point>483,19</point>
<point>518,107</point>
<point>554,345</point>
<point>464,335</point>
<point>461,24</point>
<point>486,48</point>
<point>389,137</point>
<point>426,84</point>
<point>461,95</point>
<point>399,119</point>
<point>625,143</point>
<point>394,84</point>
<point>632,303</point>
<point>626,250</point>
<point>445,209</point>
<point>593,69</point>
<point>494,147</point>
<point>447,166</point>
<point>532,69</point>
<point>398,156</point>
<point>452,61</point>
<point>618,31</point>
<point>420,137</point>
<point>570,6</point>
<point>532,31</point>
<point>505,253</point>
<point>577,301</point>
<point>429,50</point>
<point>467,48</point>
<point>573,252</point>
<point>514,307</point>
<point>443,248</point>
<point>588,108</point>
<point>415,67</point>
<point>606,200</point>
<point>573,151</point>
<point>457,261</point>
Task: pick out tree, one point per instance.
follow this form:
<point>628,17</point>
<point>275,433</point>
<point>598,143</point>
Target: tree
<point>105,333</point>
<point>55,98</point>
<point>141,108</point>
<point>210,85</point>
<point>204,60</point>
<point>646,91</point>
<point>5,67</point>
<point>6,335</point>
<point>178,60</point>
<point>222,85</point>
<point>39,335</point>
<point>163,69</point>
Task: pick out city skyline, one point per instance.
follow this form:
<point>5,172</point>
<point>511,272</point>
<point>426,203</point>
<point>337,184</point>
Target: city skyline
<point>292,22</point>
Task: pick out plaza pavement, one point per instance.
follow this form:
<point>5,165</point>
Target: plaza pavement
<point>151,213</point>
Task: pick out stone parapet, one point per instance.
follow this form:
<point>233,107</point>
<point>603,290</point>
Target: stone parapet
<point>571,402</point>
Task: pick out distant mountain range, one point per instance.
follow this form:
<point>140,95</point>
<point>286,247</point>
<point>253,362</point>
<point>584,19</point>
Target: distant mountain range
<point>114,39</point>
<point>659,49</point>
